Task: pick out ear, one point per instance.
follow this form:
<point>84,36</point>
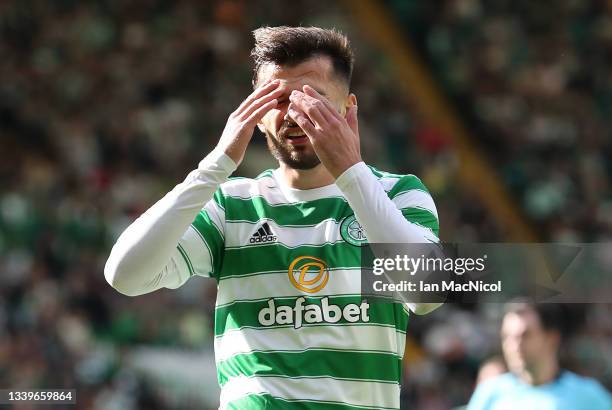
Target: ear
<point>261,128</point>
<point>351,100</point>
<point>351,113</point>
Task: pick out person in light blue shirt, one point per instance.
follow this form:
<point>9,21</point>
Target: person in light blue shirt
<point>531,337</point>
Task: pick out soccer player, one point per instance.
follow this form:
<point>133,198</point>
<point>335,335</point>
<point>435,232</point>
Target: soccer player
<point>291,328</point>
<point>531,336</point>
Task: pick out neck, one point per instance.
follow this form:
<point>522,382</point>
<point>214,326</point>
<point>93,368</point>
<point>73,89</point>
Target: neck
<point>544,372</point>
<point>306,178</point>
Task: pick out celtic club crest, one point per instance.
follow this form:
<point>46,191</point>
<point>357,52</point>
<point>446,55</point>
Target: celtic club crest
<point>352,231</point>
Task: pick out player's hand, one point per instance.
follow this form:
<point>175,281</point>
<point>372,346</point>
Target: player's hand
<point>241,123</point>
<point>334,138</point>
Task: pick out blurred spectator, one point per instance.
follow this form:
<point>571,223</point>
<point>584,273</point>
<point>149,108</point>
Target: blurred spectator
<point>531,338</point>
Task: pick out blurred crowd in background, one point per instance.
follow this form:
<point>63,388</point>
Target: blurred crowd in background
<point>105,106</point>
<point>533,80</point>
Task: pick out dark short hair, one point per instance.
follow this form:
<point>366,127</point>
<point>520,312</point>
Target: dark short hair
<point>552,316</point>
<point>289,46</point>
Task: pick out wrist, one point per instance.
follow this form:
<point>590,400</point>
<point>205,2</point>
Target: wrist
<point>343,166</point>
<point>218,159</point>
<point>231,150</point>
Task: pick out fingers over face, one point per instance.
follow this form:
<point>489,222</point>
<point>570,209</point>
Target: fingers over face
<point>315,109</point>
<point>261,101</point>
<point>308,90</point>
<point>265,92</point>
<point>259,112</point>
<point>303,121</point>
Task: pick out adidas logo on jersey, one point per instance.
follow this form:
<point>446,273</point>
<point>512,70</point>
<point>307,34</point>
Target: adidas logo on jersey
<point>263,234</point>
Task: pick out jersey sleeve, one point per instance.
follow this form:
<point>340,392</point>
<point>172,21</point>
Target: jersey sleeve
<point>412,198</point>
<point>202,245</point>
<point>416,204</point>
<point>165,246</point>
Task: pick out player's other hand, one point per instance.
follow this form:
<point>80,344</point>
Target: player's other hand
<point>241,123</point>
<point>334,137</point>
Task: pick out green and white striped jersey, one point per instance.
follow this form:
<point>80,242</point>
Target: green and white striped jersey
<point>291,329</point>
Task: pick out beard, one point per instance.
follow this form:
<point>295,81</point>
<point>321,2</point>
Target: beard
<point>294,156</point>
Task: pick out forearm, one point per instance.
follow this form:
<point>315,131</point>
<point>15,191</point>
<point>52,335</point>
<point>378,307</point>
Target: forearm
<point>140,257</point>
<point>380,218</point>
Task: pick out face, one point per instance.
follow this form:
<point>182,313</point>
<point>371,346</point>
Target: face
<point>287,142</point>
<point>524,342</point>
